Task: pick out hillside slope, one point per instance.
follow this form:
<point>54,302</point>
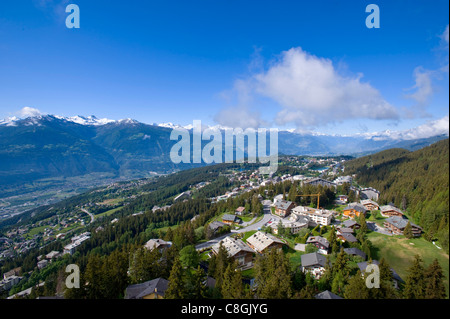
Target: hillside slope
<point>416,181</point>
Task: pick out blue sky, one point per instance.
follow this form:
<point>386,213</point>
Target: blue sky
<point>309,65</point>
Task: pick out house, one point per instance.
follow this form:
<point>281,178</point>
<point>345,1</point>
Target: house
<point>319,242</point>
<point>320,181</point>
<point>283,207</point>
<point>313,263</point>
<point>351,224</point>
<point>369,193</point>
<point>397,224</point>
<point>355,252</point>
<point>236,250</point>
<point>42,264</point>
<point>389,210</point>
<point>396,278</point>
<point>159,244</point>
<point>261,242</point>
<point>229,219</point>
<point>10,281</point>
<point>53,254</point>
<point>354,210</point>
<point>342,198</point>
<point>318,216</point>
<point>152,289</point>
<point>216,226</point>
<point>370,204</point>
<point>327,295</point>
<point>346,237</point>
<point>240,211</point>
<point>344,230</point>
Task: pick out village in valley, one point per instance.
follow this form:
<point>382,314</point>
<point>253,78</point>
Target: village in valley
<point>296,223</point>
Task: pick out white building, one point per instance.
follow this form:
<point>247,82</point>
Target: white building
<point>319,216</point>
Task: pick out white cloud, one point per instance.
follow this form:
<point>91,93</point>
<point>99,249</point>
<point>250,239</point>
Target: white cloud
<point>239,116</point>
<point>429,129</point>
<point>28,112</point>
<point>444,36</point>
<point>311,92</point>
<point>423,86</point>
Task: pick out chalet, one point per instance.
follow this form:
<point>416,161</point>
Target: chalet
<point>354,210</point>
<point>261,242</point>
<point>396,225</point>
<point>216,226</point>
<point>351,224</point>
<point>369,193</point>
<point>389,210</point>
<point>327,295</point>
<point>396,278</point>
<point>370,204</point>
<point>159,244</point>
<point>314,263</point>
<point>152,289</point>
<point>230,219</point>
<point>346,237</point>
<point>342,198</point>
<point>355,252</point>
<point>344,230</point>
<point>319,242</point>
<point>240,211</point>
<point>283,207</point>
<point>236,250</point>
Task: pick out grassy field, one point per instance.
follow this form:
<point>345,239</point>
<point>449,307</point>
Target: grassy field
<point>109,212</point>
<point>399,252</point>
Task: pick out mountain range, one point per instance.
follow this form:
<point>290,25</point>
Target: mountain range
<point>48,146</point>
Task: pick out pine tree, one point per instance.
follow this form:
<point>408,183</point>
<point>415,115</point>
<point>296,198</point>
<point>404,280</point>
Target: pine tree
<point>340,264</point>
<point>197,286</point>
<point>434,281</point>
<point>232,283</point>
<point>176,287</point>
<point>338,284</point>
<point>408,231</point>
<point>414,283</point>
<point>94,277</point>
<point>356,288</point>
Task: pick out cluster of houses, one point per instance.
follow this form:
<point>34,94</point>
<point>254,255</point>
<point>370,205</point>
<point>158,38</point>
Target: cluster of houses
<point>395,222</point>
<point>43,261</point>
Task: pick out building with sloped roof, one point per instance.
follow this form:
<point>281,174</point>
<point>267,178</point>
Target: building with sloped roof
<point>389,210</point>
<point>397,224</point>
<point>236,250</point>
<point>355,252</point>
<point>152,289</point>
<point>159,244</point>
<point>261,242</point>
<point>314,263</point>
<point>283,207</point>
<point>354,210</point>
<point>327,295</point>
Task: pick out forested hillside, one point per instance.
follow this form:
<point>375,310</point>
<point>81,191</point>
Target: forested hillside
<point>417,182</point>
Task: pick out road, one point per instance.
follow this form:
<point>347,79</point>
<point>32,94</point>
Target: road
<point>266,218</point>
<point>90,214</point>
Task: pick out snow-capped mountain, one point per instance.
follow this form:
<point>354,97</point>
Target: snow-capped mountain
<point>89,120</point>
